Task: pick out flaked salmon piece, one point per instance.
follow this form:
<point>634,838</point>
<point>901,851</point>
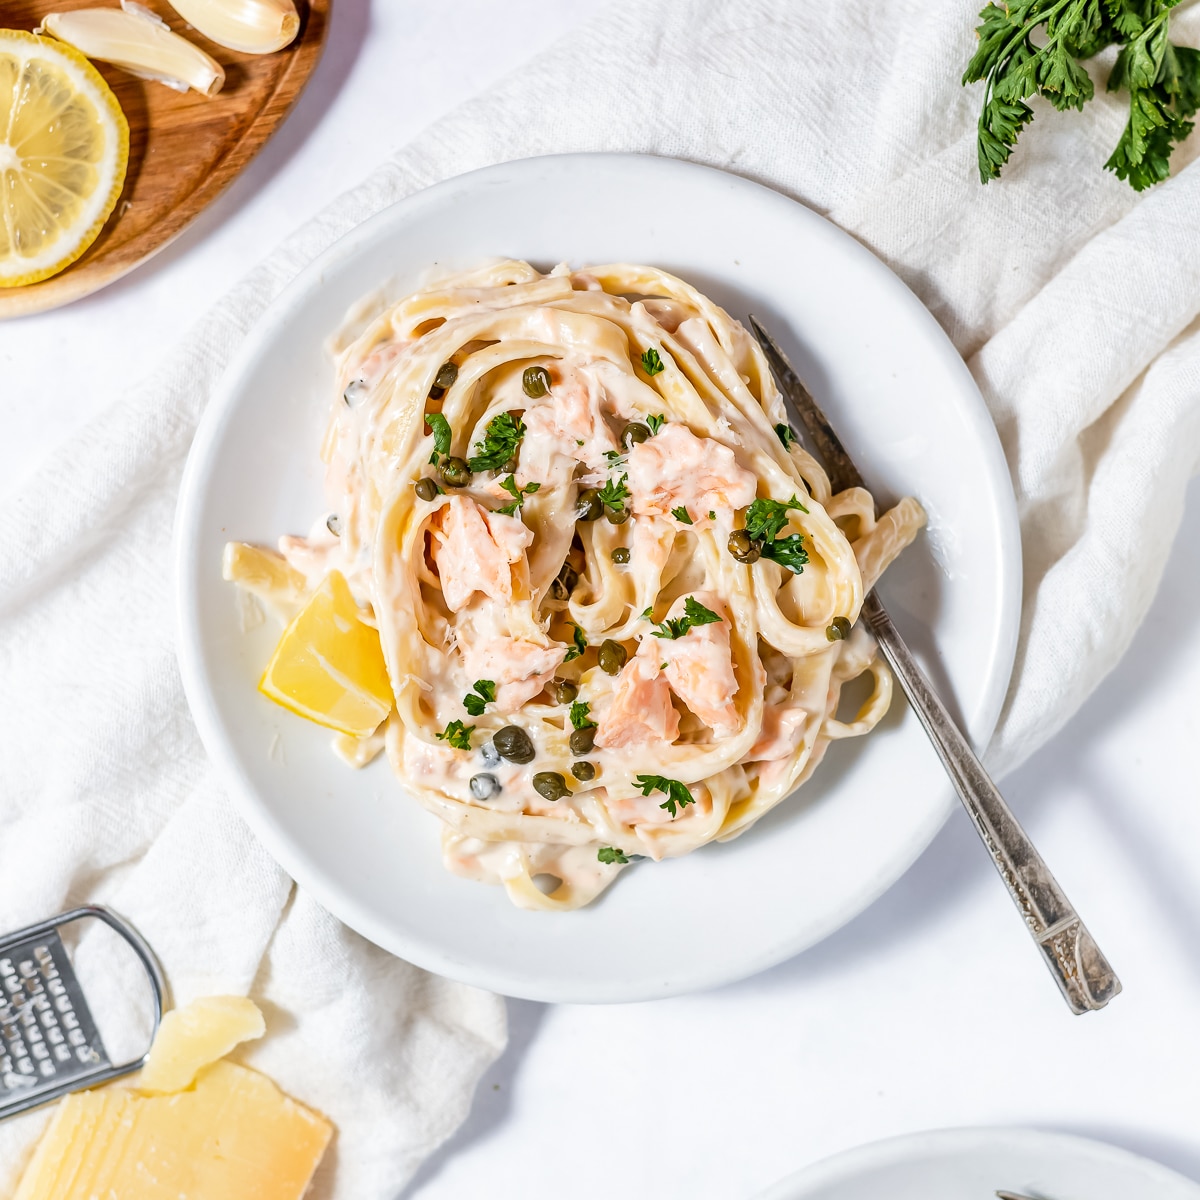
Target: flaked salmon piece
<point>782,727</point>
<point>676,468</point>
<point>566,429</point>
<point>640,710</point>
<point>699,667</point>
<point>475,550</point>
<point>519,668</point>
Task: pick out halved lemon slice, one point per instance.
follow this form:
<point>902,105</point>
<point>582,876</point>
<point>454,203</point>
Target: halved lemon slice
<point>329,664</point>
<point>64,147</point>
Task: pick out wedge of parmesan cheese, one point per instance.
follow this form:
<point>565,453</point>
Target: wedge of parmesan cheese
<point>230,1135</point>
<point>196,1035</point>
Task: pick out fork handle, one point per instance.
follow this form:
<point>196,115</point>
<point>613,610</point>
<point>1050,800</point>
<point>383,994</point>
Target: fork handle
<point>1082,972</point>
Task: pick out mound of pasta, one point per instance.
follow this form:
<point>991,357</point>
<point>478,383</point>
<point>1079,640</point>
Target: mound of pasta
<point>615,599</point>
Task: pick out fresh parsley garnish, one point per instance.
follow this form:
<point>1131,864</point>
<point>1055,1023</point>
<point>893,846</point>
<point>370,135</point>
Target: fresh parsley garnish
<point>677,794</point>
<point>1037,47</point>
<point>613,495</point>
<point>712,516</point>
<point>458,735</point>
<point>499,444</point>
<point>610,854</point>
<point>786,436</point>
<point>509,484</point>
<point>579,715</point>
<point>656,422</point>
<point>651,363</point>
<point>681,514</point>
<point>765,518</point>
<point>474,704</point>
<point>694,613</point>
<point>648,613</point>
<point>443,435</point>
<point>787,552</point>
<point>580,646</point>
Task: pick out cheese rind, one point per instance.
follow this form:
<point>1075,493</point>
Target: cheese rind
<point>192,1037</point>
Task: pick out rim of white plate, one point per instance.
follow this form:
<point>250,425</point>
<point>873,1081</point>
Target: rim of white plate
<point>328,891</point>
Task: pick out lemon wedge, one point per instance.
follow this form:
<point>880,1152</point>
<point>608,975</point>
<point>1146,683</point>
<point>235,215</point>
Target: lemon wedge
<point>329,664</point>
<point>64,147</point>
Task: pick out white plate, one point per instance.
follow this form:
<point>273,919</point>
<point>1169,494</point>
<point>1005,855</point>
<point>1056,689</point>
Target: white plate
<point>970,1164</point>
<point>893,386</point>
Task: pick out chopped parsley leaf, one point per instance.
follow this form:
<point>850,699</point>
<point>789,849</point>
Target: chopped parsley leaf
<point>442,434</point>
<point>509,484</point>
<point>681,514</point>
<point>765,518</point>
<point>712,516</point>
<point>786,436</point>
<point>474,704</point>
<point>610,854</point>
<point>486,688</point>
<point>613,495</point>
<point>500,443</point>
<point>656,422</point>
<point>651,363</point>
<point>459,735</point>
<point>580,645</point>
<point>579,715</point>
<point>787,552</point>
<point>677,794</point>
<point>694,613</point>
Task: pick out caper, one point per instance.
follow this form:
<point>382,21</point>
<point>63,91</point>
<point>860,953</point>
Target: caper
<point>484,786</point>
<point>634,432</point>
<point>334,524</point>
<point>563,690</point>
<point>743,547</point>
<point>354,391</point>
<point>588,505</point>
<point>426,488</point>
<point>583,771</point>
<point>511,465</point>
<point>617,516</point>
<point>489,754</point>
<point>839,628</point>
<point>551,785</point>
<point>621,554</point>
<point>535,382</point>
<point>454,471</point>
<point>582,740</point>
<point>564,585</point>
<point>447,374</point>
<point>612,656</point>
<point>513,743</point>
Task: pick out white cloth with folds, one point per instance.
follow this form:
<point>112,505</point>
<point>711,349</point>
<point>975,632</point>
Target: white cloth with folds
<point>1074,301</point>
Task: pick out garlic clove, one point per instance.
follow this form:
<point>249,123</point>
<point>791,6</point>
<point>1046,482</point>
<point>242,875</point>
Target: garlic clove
<point>251,26</point>
<point>138,42</point>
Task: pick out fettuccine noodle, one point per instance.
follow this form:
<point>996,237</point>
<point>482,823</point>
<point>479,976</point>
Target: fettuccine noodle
<point>673,575</point>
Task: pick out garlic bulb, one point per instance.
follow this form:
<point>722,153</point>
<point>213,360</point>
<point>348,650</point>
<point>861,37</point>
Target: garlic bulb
<point>251,26</point>
<point>134,39</point>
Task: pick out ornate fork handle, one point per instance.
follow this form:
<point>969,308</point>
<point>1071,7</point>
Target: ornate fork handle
<point>1076,962</point>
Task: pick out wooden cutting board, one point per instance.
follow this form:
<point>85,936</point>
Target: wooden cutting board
<point>184,150</point>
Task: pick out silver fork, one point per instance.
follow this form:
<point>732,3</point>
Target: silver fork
<point>1082,972</point>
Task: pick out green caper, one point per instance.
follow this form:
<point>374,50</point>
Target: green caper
<point>564,585</point>
<point>447,374</point>
<point>426,488</point>
<point>612,656</point>
<point>617,516</point>
<point>634,432</point>
<point>583,771</point>
<point>582,740</point>
<point>511,465</point>
<point>588,505</point>
<point>743,547</point>
<point>513,743</point>
<point>551,785</point>
<point>839,628</point>
<point>563,690</point>
<point>535,382</point>
<point>454,471</point>
<point>621,554</point>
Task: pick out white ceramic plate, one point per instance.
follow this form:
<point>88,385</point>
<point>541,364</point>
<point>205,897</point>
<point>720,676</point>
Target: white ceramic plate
<point>908,410</point>
<point>970,1164</point>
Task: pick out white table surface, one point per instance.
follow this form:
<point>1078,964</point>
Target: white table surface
<point>932,1008</point>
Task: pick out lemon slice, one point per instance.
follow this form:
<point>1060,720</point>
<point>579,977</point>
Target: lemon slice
<point>64,147</point>
<point>329,664</point>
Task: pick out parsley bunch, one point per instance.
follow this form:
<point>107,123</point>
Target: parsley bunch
<point>1162,79</point>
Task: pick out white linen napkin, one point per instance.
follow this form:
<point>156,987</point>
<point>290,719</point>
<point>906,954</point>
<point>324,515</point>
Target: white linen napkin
<point>1074,301</point>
